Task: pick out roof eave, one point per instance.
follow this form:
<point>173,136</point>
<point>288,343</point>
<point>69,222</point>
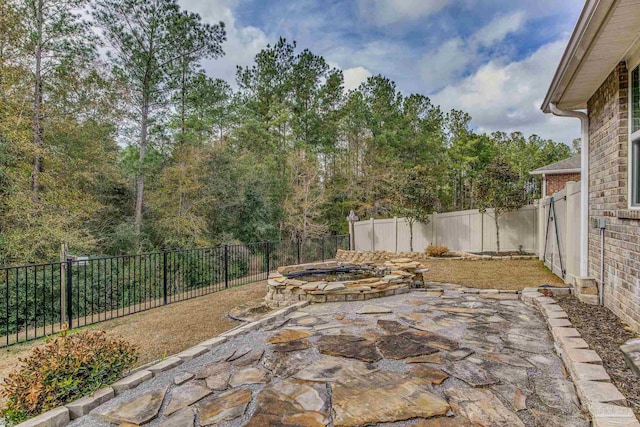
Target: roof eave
<point>555,171</point>
<point>593,15</point>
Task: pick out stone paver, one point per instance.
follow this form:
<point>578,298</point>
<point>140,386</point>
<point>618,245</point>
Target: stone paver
<point>397,397</point>
<point>183,378</point>
<point>184,418</point>
<point>436,359</point>
<point>185,395</point>
<point>482,407</point>
<point>288,335</point>
<point>292,402</point>
<point>228,406</point>
<point>139,410</point>
<point>349,346</point>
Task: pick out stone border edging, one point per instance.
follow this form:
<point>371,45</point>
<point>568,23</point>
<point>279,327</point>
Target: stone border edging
<point>598,395</point>
<point>62,415</point>
<point>470,256</point>
<point>631,352</point>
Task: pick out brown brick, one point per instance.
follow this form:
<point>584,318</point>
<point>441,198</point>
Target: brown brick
<point>608,174</point>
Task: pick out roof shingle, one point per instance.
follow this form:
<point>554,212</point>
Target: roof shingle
<point>572,164</point>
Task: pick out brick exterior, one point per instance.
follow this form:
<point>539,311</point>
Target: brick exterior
<point>608,147</point>
<point>557,182</point>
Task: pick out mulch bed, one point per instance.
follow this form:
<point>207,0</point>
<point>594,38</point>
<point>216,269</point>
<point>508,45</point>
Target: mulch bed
<point>605,333</point>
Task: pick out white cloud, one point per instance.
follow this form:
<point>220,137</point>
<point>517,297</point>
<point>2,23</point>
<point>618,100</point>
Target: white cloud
<point>385,12</point>
<point>507,97</point>
<point>498,29</point>
<point>446,64</point>
<point>353,77</point>
<point>452,58</point>
<point>379,56</point>
<point>242,44</point>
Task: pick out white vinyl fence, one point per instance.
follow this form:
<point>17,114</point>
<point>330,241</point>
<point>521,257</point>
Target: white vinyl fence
<point>469,231</point>
<point>559,238</point>
<point>550,228</point>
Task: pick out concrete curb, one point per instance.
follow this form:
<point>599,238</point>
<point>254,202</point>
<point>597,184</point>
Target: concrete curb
<point>62,415</point>
<point>597,394</point>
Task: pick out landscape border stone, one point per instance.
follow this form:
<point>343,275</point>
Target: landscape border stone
<point>165,365</point>
<point>131,381</point>
<point>56,417</point>
<point>631,352</point>
<point>597,394</point>
<point>85,404</point>
<point>192,352</point>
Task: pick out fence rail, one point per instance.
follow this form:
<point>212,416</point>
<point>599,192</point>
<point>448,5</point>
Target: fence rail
<point>40,299</point>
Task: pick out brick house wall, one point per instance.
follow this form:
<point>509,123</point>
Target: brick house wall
<point>608,156</point>
<point>556,182</point>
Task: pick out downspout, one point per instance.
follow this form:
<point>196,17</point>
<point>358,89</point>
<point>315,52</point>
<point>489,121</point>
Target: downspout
<point>584,183</point>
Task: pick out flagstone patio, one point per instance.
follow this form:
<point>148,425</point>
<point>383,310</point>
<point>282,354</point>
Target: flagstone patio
<point>422,358</point>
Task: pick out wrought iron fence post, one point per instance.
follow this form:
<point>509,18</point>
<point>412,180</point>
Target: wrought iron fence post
<point>322,247</point>
<point>267,255</point>
<point>69,294</point>
<point>164,277</point>
<point>298,246</point>
<point>226,266</point>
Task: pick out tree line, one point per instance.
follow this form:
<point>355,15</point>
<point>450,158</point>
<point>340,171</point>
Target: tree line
<point>114,139</point>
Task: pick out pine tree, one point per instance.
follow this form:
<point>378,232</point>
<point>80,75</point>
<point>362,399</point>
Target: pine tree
<point>150,40</point>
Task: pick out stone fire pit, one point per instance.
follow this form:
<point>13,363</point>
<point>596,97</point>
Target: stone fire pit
<point>343,281</point>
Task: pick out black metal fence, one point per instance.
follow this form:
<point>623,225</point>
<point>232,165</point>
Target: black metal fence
<point>38,300</point>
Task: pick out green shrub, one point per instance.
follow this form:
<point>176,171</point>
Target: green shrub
<point>64,369</point>
<point>437,251</point>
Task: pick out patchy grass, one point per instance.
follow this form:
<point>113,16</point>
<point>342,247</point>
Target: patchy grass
<point>162,331</point>
<point>492,274</point>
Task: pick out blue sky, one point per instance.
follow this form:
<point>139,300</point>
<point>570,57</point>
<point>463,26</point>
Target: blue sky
<point>491,58</point>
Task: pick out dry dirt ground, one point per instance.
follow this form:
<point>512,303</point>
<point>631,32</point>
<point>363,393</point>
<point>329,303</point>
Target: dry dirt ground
<point>492,274</point>
<point>165,330</point>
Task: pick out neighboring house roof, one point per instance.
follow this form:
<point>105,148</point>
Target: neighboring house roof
<point>570,165</point>
<point>607,32</point>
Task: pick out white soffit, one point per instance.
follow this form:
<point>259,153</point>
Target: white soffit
<point>607,32</point>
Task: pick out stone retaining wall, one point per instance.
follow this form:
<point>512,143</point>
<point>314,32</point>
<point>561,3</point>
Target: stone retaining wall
<point>397,276</point>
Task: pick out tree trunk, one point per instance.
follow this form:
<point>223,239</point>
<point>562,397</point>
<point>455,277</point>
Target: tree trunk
<point>144,123</point>
<point>183,106</point>
<point>495,217</point>
<point>38,128</point>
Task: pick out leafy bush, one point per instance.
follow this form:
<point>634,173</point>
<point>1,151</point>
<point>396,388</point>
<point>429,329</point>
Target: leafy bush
<point>437,251</point>
<point>64,369</point>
